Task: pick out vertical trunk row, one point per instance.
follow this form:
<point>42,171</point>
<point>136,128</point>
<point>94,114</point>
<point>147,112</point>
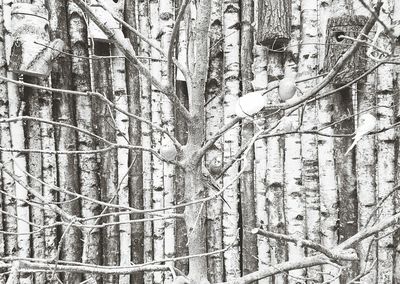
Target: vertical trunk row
<point>231,32</point>
<point>135,158</point>
<point>157,166</point>
<point>145,102</point>
<point>166,18</point>
<point>247,201</point>
<point>213,159</point>
<point>308,67</point>
<point>294,195</point>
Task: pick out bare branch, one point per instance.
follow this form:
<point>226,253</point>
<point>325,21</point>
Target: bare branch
<point>351,255</point>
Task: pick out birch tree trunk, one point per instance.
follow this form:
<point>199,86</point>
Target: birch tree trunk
<point>260,163</point>
<point>135,254</point>
<point>275,185</point>
<point>3,113</point>
<point>181,132</point>
<point>386,161</point>
<point>16,108</point>
<point>157,165</point>
<point>84,118</point>
<point>145,103</point>
<point>308,67</point>
<point>122,138</point>
<point>213,159</point>
<point>166,14</point>
<point>365,173</point>
<point>105,123</point>
<point>396,269</point>
<point>194,215</point>
<point>247,200</point>
<point>230,222</point>
<point>295,195</point>
<point>326,166</point>
<point>35,169</point>
<point>65,138</point>
<point>8,184</point>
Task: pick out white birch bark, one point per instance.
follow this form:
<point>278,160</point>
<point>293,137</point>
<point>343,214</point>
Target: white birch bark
<point>294,194</point>
<point>144,50</point>
<point>35,169</point>
<point>326,166</point>
<point>157,165</point>
<point>366,188</point>
<point>108,250</point>
<point>3,111</point>
<point>386,162</point>
<point>308,67</point>
<point>327,180</point>
<point>396,20</point>
<point>231,137</point>
<point>16,106</point>
<point>10,224</point>
<point>214,117</point>
<point>275,190</point>
<point>122,125</point>
<point>260,164</point>
<point>166,19</point>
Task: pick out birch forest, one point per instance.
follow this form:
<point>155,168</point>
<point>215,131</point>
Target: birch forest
<point>199,141</point>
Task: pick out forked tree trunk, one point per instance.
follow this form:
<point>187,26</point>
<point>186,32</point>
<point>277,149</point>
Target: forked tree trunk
<point>194,214</point>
